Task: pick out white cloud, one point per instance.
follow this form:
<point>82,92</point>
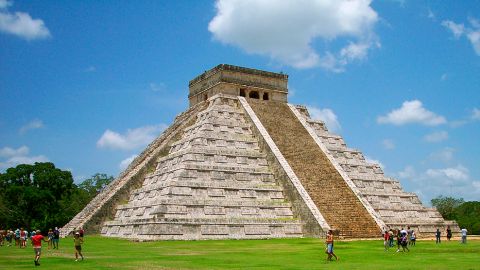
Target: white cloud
<point>471,33</point>
<point>18,156</point>
<point>5,4</point>
<point>34,124</point>
<point>436,137</point>
<point>157,87</point>
<point>388,144</point>
<point>132,139</point>
<point>327,116</point>
<point>412,112</point>
<point>445,155</point>
<point>431,15</point>
<point>10,152</point>
<point>21,24</point>
<point>124,163</point>
<point>456,29</point>
<point>475,114</point>
<point>407,173</point>
<point>286,30</point>
<point>90,69</point>
<point>449,175</point>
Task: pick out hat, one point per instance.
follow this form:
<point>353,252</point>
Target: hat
<point>38,231</point>
<point>77,233</point>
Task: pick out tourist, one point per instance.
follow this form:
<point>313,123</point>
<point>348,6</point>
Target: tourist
<point>386,240</point>
<point>413,238</point>
<point>404,241</point>
<point>437,236</point>
<point>464,236</point>
<point>399,239</point>
<point>78,245</point>
<point>409,234</point>
<point>81,231</point>
<point>23,238</point>
<point>37,246</point>
<point>329,243</point>
<point>17,237</point>
<point>9,237</point>
<point>50,238</point>
<point>391,237</point>
<point>2,237</point>
<point>449,233</point>
<point>56,238</point>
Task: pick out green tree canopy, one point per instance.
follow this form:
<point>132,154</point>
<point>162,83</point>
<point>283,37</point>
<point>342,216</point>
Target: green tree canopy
<point>41,196</point>
<point>446,206</point>
<point>31,195</point>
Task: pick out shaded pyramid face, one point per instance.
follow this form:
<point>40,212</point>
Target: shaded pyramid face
<point>214,183</point>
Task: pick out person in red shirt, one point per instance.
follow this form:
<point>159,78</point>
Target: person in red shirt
<point>37,246</point>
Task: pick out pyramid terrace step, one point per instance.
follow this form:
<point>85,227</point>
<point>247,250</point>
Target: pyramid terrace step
<point>202,183</point>
<point>209,202</point>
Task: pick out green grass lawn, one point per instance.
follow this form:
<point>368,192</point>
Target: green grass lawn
<point>307,253</point>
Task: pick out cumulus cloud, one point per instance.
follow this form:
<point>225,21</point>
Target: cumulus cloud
<point>21,24</point>
<point>286,30</point>
<point>327,116</point>
<point>449,175</point>
<point>472,33</point>
<point>447,181</point>
<point>435,137</point>
<point>132,139</point>
<point>34,124</point>
<point>13,157</point>
<point>388,144</point>
<point>412,112</point>
<point>124,163</point>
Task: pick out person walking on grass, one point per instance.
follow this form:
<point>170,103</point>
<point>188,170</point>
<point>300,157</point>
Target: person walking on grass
<point>404,242</point>
<point>437,236</point>
<point>386,240</point>
<point>449,233</point>
<point>50,238</point>
<point>464,236</point>
<point>78,246</point>
<point>56,238</point>
<point>37,246</point>
<point>413,238</point>
<point>329,243</point>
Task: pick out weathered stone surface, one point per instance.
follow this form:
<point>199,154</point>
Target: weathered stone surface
<point>235,167</point>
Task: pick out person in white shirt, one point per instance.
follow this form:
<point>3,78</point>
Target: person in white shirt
<point>464,236</point>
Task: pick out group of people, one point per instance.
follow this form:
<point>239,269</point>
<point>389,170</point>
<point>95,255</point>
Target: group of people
<point>404,238</point>
<point>438,235</point>
<point>20,237</point>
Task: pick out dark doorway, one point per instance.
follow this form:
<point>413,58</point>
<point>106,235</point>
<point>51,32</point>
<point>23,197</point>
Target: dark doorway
<point>254,94</point>
<point>242,93</point>
<point>265,96</point>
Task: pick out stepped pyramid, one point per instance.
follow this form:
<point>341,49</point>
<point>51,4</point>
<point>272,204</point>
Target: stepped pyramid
<point>242,163</point>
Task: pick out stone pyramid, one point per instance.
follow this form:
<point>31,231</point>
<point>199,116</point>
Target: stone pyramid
<point>242,163</point>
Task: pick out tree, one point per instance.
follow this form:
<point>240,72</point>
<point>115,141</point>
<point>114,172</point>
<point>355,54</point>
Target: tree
<point>468,216</point>
<point>446,206</point>
<point>96,184</point>
<point>31,195</point>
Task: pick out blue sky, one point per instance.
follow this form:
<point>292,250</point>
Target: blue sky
<point>88,84</point>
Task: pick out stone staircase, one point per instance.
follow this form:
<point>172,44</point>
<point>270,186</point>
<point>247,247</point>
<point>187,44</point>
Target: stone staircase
<point>215,183</point>
<point>395,207</point>
<point>102,207</point>
<point>340,207</point>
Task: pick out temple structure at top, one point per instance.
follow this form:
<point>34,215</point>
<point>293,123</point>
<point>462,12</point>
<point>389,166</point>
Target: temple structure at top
<point>243,163</point>
<point>238,81</point>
